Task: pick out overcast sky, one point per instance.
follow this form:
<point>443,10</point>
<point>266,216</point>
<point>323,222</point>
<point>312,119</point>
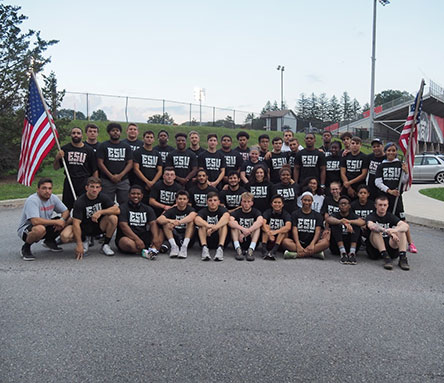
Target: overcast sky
<point>164,49</point>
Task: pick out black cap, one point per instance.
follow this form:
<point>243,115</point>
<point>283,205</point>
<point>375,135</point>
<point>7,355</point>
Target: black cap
<point>376,140</point>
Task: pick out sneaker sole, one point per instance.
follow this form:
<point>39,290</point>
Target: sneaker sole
<point>53,250</point>
<point>109,255</point>
<point>25,258</point>
<point>218,259</point>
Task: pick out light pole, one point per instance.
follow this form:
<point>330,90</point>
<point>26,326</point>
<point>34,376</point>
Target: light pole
<point>372,85</point>
<point>281,69</point>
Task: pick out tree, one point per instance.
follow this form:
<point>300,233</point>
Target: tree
<point>99,115</point>
<point>313,107</point>
<point>302,107</point>
<point>52,96</point>
<point>334,110</point>
<point>267,107</point>
<point>161,119</point>
<point>347,112</point>
<point>323,107</point>
<point>71,114</point>
<point>356,108</point>
<point>250,117</point>
<point>390,95</point>
<point>275,106</point>
<point>366,107</point>
<point>19,52</point>
<point>229,122</point>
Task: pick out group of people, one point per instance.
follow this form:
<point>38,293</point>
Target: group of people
<point>157,198</point>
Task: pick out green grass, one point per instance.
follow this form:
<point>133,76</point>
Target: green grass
<point>10,189</point>
<point>437,193</point>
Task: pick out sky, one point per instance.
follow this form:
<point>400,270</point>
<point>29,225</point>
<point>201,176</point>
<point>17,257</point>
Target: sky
<point>165,49</point>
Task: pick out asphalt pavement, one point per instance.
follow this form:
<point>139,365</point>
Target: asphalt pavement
<point>126,319</point>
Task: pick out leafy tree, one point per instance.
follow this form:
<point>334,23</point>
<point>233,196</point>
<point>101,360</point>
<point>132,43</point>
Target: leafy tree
<point>161,119</point>
<point>71,114</point>
<point>389,95</point>
<point>52,96</point>
<point>250,117</point>
<point>334,110</point>
<point>19,52</point>
<point>323,107</point>
<point>366,107</point>
<point>346,105</point>
<point>303,107</point>
<point>99,115</point>
<point>228,122</point>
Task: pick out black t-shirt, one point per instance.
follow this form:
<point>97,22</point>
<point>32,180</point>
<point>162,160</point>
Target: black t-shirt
<point>306,224</point>
<point>326,150</point>
<point>164,194</point>
<point>363,210</point>
<point>390,173</point>
<point>387,222</point>
<point>351,216</point>
<point>248,166</point>
<point>332,169</point>
<point>245,153</point>
<point>231,199</point>
<point>182,161</point>
<point>213,163</point>
<point>148,161</point>
<point>292,161</point>
<point>246,219</point>
<point>197,152</point>
<point>262,194</point>
<point>233,160</point>
<point>276,220</point>
<point>115,157</point>
<point>310,163</point>
<point>354,165</point>
<point>175,213</point>
<point>137,216</point>
<point>290,194</point>
<point>212,217</point>
<point>262,155</point>
<point>276,163</point>
<point>198,197</point>
<point>92,146</point>
<point>84,208</point>
<point>373,163</point>
<point>136,144</point>
<point>81,162</point>
<point>330,206</point>
<point>164,151</point>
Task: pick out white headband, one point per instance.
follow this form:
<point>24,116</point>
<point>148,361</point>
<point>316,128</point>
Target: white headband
<point>307,193</point>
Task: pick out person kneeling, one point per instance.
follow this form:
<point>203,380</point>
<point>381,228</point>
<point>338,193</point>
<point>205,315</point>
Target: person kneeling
<point>346,229</point>
<point>94,213</point>
<point>276,226</point>
<point>307,225</point>
<point>388,238</point>
<point>178,225</point>
<point>135,219</point>
<point>212,222</point>
<point>245,224</point>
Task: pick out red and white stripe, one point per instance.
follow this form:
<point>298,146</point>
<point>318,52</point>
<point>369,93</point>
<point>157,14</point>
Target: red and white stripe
<point>404,144</point>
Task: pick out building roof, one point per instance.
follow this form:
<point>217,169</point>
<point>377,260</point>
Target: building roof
<point>278,113</point>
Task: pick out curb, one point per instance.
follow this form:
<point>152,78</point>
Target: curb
<point>16,203</point>
<point>427,222</point>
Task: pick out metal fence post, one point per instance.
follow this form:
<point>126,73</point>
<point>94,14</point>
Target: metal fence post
<point>234,118</point>
<point>163,112</point>
<point>214,115</point>
<point>126,109</point>
<point>190,116</point>
<point>87,106</point>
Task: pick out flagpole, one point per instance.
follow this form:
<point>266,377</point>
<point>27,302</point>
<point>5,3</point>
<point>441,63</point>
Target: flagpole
<point>53,128</point>
<point>409,144</point>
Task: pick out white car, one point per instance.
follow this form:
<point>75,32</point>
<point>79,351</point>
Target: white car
<point>429,168</point>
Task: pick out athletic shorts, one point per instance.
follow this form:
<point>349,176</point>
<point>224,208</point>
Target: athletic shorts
<point>146,237</point>
<point>373,253</point>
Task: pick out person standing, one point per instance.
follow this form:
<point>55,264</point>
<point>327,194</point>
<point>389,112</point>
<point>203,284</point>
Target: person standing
<point>115,160</point>
<point>277,160</point>
<point>92,132</point>
<point>81,162</point>
<point>233,160</point>
<point>326,143</point>
<point>264,143</point>
<point>213,162</point>
<point>199,192</point>
<point>333,165</point>
<point>163,148</point>
<point>248,165</point>
<point>242,148</point>
<point>309,162</point>
<point>132,134</point>
<point>36,222</point>
<point>374,160</point>
<point>195,147</point>
<point>183,160</point>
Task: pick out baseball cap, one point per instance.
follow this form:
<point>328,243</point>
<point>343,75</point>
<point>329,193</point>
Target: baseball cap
<point>376,141</point>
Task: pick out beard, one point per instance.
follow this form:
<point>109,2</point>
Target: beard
<point>76,140</point>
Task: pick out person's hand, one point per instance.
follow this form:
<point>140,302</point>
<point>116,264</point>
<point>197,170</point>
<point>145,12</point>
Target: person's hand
<point>114,178</point>
<point>79,252</point>
<point>309,249</point>
<point>59,224</point>
<point>96,216</point>
<point>404,167</point>
<point>140,244</point>
<point>299,249</point>
<point>347,184</point>
<point>60,154</point>
<point>349,228</point>
<point>394,192</point>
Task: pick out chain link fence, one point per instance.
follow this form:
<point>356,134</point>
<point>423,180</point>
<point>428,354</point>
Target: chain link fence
<point>138,109</point>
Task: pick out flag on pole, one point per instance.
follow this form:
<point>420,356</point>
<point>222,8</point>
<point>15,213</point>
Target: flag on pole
<point>409,137</point>
<point>37,136</point>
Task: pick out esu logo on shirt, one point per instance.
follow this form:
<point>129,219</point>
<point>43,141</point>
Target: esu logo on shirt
<point>181,161</point>
<point>116,154</point>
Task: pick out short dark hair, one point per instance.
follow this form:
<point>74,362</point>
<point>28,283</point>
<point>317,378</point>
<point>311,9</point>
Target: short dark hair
<point>326,131</point>
<point>202,170</point>
<point>275,139</point>
<point>163,131</point>
<point>168,169</point>
<point>44,180</point>
<point>180,134</point>
<point>276,196</point>
<point>212,194</point>
<point>233,173</point>
<point>75,127</point>
<point>345,197</point>
<point>357,139</point>
<point>136,186</point>
<point>226,136</point>
<point>113,125</point>
<point>93,180</point>
<point>286,128</point>
<point>243,134</point>
<point>381,197</point>
<point>309,134</point>
<point>344,135</point>
<point>148,132</point>
<point>183,192</point>
<point>285,168</point>
<point>363,186</point>
<point>132,124</point>
<point>338,143</point>
<point>263,136</point>
<point>91,126</point>
<point>212,135</point>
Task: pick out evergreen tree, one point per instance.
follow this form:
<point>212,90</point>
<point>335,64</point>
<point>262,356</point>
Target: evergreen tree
<point>313,107</point>
<point>347,112</point>
<point>267,107</point>
<point>356,108</point>
<point>302,107</point>
<point>52,96</point>
<point>323,107</point>
<point>275,106</point>
<point>334,110</point>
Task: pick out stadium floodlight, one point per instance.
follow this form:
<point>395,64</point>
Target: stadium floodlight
<point>199,95</point>
<point>384,2</point>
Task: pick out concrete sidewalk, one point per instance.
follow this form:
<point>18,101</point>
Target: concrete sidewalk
<point>424,210</point>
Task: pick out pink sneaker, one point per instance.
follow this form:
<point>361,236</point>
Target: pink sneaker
<point>412,248</point>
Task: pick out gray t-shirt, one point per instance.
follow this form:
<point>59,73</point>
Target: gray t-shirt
<point>35,207</point>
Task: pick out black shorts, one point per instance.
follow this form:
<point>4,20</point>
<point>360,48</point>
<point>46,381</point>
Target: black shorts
<point>373,253</point>
<point>50,235</point>
<point>179,236</point>
<point>91,229</point>
<point>146,237</point>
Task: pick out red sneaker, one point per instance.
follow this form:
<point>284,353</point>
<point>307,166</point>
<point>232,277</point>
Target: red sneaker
<point>412,248</point>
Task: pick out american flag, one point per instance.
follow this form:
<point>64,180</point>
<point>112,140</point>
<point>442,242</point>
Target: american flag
<point>405,137</point>
<point>37,136</point>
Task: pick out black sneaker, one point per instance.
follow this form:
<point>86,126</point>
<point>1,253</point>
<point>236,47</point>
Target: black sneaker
<point>403,263</point>
<point>388,264</point>
<point>239,254</point>
<point>344,259</point>
<point>26,253</point>
<point>352,259</point>
<point>249,256</point>
<point>164,248</point>
<point>51,245</point>
<point>269,257</point>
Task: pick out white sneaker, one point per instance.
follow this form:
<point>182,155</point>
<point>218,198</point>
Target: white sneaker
<point>219,254</point>
<point>106,249</point>
<point>85,245</point>
<point>183,253</point>
<point>205,254</point>
<point>174,252</point>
